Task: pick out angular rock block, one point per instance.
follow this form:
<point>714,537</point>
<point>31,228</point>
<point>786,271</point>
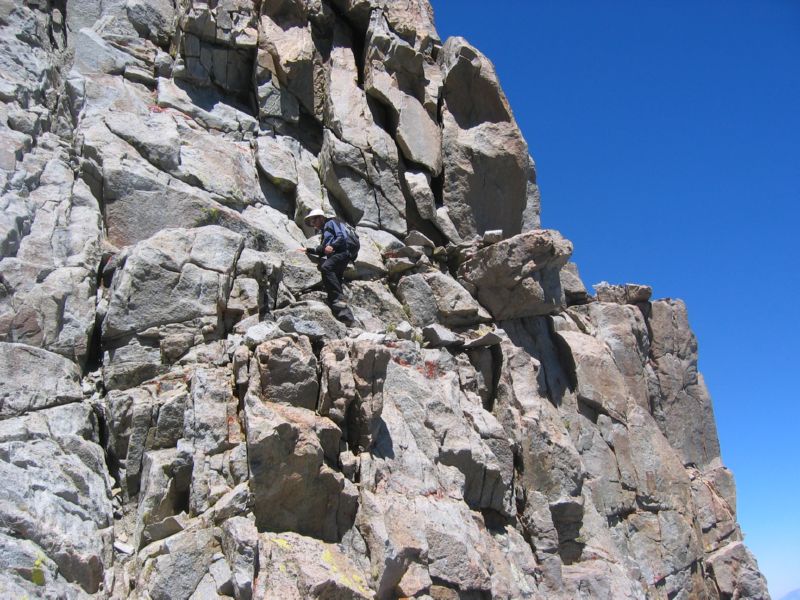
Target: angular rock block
<point>289,451</point>
<point>32,379</point>
<point>174,277</point>
<point>436,298</point>
<point>297,567</point>
<point>55,502</point>
<point>630,293</point>
<point>486,163</point>
<point>49,284</point>
<point>457,449</point>
<point>736,572</point>
<point>312,319</point>
<point>177,566</point>
<point>681,404</point>
<point>395,74</point>
<point>285,372</point>
<point>519,277</point>
<point>598,381</point>
<point>353,374</point>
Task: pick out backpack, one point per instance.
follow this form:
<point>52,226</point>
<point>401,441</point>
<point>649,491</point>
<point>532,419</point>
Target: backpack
<point>352,243</point>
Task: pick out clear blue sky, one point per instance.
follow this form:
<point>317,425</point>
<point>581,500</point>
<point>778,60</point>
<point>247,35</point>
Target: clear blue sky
<point>667,140</point>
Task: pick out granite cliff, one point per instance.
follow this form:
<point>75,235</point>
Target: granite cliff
<point>182,417</point>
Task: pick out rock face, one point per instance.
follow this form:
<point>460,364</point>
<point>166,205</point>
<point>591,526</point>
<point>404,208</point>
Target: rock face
<point>183,417</point>
<point>485,155</point>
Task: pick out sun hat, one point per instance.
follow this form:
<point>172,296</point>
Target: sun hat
<point>316,212</point>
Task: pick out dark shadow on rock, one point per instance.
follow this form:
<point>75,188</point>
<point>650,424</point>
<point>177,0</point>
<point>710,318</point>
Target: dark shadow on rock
<point>383,446</point>
<point>535,335</point>
<point>207,98</point>
<point>276,198</point>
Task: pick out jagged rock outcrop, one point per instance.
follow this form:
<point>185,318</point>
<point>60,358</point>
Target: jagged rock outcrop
<point>485,155</point>
<point>181,414</point>
<point>519,277</point>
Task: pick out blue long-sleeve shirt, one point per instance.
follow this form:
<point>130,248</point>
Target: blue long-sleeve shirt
<point>332,236</point>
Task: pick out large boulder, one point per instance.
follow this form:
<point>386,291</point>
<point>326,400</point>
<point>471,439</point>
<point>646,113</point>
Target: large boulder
<point>139,198</point>
<point>574,288</point>
<point>32,379</point>
<point>437,298</point>
<point>26,570</point>
<point>225,169</point>
<point>623,328</point>
<point>56,498</point>
<point>240,544</point>
<point>169,293</point>
<point>177,567</point>
<point>519,277</point>
<point>714,496</point>
<point>312,319</point>
<point>486,165</point>
<point>630,293</point>
<point>290,568</point>
<point>736,572</point>
<point>276,159</point>
<point>598,381</point>
<point>369,264</point>
<point>177,276</point>
<point>289,453</point>
<point>154,135</point>
<point>93,54</point>
<point>375,298</point>
<point>287,372</point>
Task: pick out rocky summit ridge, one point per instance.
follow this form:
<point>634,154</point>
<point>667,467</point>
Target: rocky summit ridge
<point>182,417</point>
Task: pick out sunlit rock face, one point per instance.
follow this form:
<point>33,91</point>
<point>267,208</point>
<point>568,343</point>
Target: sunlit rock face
<point>181,414</point>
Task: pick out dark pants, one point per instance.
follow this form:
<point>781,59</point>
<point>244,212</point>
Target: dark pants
<point>333,268</point>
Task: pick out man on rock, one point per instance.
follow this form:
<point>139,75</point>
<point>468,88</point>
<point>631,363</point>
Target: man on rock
<point>334,258</point>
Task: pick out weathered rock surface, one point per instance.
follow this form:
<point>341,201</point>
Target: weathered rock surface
<point>297,567</point>
<point>359,159</point>
<point>630,293</point>
<point>294,488</point>
<point>397,76</point>
<point>55,503</point>
<point>574,289</point>
<point>183,417</point>
<point>436,298</point>
<point>519,277</point>
<point>486,165</point>
<point>32,379</point>
<point>684,400</point>
<point>49,275</point>
<point>175,277</point>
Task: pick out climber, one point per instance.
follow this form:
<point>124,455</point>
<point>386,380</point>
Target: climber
<point>334,256</point>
